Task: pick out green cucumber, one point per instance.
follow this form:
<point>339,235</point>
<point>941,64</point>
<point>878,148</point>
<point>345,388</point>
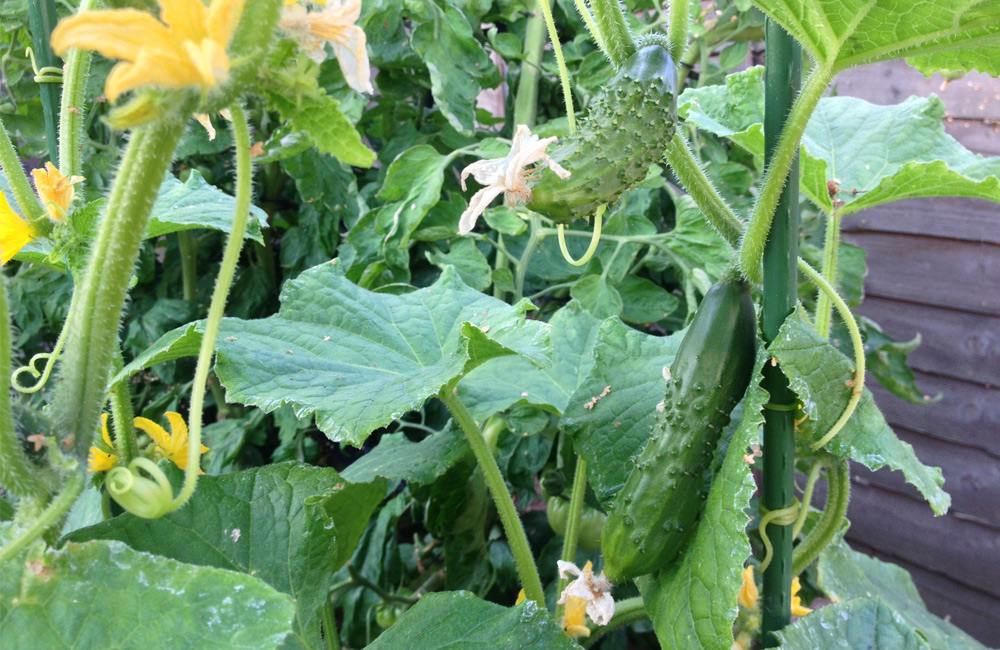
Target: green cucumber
<point>627,129</point>
<point>665,494</point>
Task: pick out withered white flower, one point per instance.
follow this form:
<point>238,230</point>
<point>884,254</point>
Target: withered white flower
<point>334,24</point>
<point>595,590</point>
<point>507,175</point>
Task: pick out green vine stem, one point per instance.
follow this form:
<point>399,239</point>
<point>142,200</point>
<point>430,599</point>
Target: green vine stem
<point>16,471</point>
<point>588,18</point>
<point>72,112</point>
<point>630,610</point>
<point>123,415</point>
<point>838,495</point>
<point>234,244</point>
<point>858,382</point>
<point>550,24</point>
<point>331,636</point>
<point>516,538</point>
<point>752,248</point>
<point>807,494</point>
<point>678,26</point>
<point>188,247</point>
<point>573,524</point>
<point>534,238</point>
<point>610,19</point>
<point>526,103</point>
<point>20,186</point>
<point>93,327</point>
<point>696,183</point>
<point>831,247</point>
<point>48,518</point>
<point>595,239</point>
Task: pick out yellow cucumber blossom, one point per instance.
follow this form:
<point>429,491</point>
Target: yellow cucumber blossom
<point>507,175</point>
<point>594,592</point>
<point>15,232</point>
<point>188,48</point>
<point>574,623</point>
<point>172,446</point>
<point>333,25</point>
<point>748,594</point>
<point>100,460</point>
<point>798,609</point>
<point>55,190</point>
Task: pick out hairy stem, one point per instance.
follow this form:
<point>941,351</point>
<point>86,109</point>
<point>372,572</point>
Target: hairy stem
<point>677,28</point>
<point>188,246</point>
<point>123,415</point>
<point>627,611</point>
<point>752,248</point>
<point>560,62</point>
<point>831,246</point>
<point>526,103</point>
<point>48,518</point>
<point>610,19</point>
<point>73,106</point>
<point>516,538</point>
<point>838,476</point>
<point>588,18</point>
<point>20,186</point>
<point>696,183</point>
<point>573,524</point>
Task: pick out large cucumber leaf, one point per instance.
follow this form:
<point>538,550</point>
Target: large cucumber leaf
<point>396,458</point>
<point>845,574</point>
<point>104,594</point>
<point>872,154</point>
<point>938,33</point>
<point>290,525</point>
<point>458,619</point>
<point>196,204</point>
<point>817,372</point>
<point>359,360</point>
<point>861,623</point>
<point>693,602</point>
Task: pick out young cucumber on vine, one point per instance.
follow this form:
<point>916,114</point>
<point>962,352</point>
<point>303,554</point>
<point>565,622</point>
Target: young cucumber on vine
<point>665,493</point>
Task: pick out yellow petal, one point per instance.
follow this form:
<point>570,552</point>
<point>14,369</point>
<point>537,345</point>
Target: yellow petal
<point>15,232</point>
<point>748,592</point>
<point>521,596</point>
<point>104,430</point>
<point>155,431</point>
<point>55,190</point>
<point>100,460</point>
<point>574,618</point>
<point>798,609</point>
<point>185,18</point>
<point>118,34</point>
<point>223,19</point>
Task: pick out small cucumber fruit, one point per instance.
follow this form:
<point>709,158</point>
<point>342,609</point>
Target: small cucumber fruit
<point>627,129</point>
<point>665,494</point>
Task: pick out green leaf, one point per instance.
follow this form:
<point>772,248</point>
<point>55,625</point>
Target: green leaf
<point>504,220</point>
<point>184,341</point>
<point>843,34</point>
<point>412,186</point>
<point>359,360</point>
<point>423,462</point>
<point>319,116</point>
<point>596,296</point>
<point>845,574</point>
<point>460,620</point>
<point>290,525</point>
<point>500,383</point>
<point>645,302</point>
<point>103,594</point>
<point>817,372</point>
<point>693,602</point>
<point>607,431</point>
<point>862,623</point>
<point>467,259</point>
<point>457,65</point>
<point>196,204</point>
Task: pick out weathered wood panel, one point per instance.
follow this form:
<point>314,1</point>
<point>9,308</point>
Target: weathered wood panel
<point>971,477</point>
<point>932,271</point>
<point>967,414</point>
<point>964,550</point>
<point>953,344</point>
<point>975,612</point>
<point>972,220</point>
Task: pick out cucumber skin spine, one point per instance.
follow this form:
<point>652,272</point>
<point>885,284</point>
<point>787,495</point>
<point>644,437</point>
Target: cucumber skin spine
<point>627,129</point>
<point>665,494</point>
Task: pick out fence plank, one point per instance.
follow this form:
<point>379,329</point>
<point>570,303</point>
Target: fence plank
<point>973,220</point>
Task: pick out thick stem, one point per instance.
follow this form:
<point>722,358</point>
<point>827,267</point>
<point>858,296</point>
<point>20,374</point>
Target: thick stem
<point>526,103</point>
<point>783,75</point>
<point>72,109</point>
<point>16,472</point>
<point>534,238</point>
<point>838,494</point>
<point>123,415</point>
<point>49,517</point>
<point>627,611</point>
<point>677,28</point>
<point>592,27</point>
<point>831,246</point>
<point>560,62</point>
<point>234,244</point>
<point>778,166</point>
<point>573,524</point>
<point>696,183</point>
<point>516,537</point>
<point>610,19</point>
<point>20,186</point>
<point>188,246</point>
<point>92,338</point>
<point>331,636</point>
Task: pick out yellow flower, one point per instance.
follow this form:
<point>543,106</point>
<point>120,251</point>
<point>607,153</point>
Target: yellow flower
<point>188,48</point>
<point>55,190</point>
<point>748,592</point>
<point>333,25</point>
<point>15,232</point>
<point>100,460</point>
<point>521,596</point>
<point>574,623</point>
<point>798,609</point>
<point>594,591</point>
<point>173,447</point>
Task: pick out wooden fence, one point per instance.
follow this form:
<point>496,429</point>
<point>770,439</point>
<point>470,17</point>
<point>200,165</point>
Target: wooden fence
<point>934,268</point>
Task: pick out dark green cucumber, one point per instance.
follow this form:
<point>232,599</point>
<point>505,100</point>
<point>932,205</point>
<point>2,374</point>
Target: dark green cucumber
<point>665,494</point>
<point>627,129</point>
